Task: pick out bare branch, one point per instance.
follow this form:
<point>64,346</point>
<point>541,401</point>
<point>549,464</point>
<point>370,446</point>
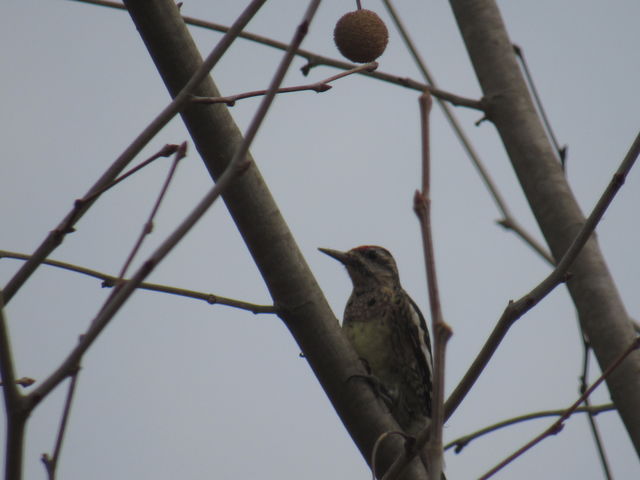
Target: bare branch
<point>603,316</point>
<point>12,396</point>
<point>595,431</point>
<point>165,151</point>
<point>109,281</point>
<point>561,151</point>
<point>460,443</point>
<point>15,404</point>
<point>237,165</point>
<point>51,462</point>
<point>515,310</point>
<point>318,87</point>
<point>557,426</point>
<point>148,226</point>
<point>509,221</point>
<point>56,236</point>
<point>441,331</point>
<point>315,60</point>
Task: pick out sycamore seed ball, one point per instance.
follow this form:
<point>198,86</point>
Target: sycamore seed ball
<point>361,36</point>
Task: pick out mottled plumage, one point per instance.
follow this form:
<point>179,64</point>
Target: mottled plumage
<point>389,334</point>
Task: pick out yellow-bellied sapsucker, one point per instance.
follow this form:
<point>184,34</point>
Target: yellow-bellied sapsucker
<point>389,334</point>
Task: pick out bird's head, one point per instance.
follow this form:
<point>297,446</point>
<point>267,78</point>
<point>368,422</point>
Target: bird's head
<point>369,266</point>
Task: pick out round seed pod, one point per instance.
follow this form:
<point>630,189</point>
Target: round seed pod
<point>361,36</point>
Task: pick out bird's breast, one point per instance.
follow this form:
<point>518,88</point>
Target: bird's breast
<point>368,326</point>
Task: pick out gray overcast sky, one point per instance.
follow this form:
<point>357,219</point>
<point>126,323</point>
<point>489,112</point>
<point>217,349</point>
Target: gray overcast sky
<point>175,388</point>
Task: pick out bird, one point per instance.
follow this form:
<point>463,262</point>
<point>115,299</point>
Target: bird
<point>389,334</point>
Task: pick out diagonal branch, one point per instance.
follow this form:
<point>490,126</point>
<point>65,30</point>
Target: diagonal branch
<point>123,291</point>
<point>51,461</point>
<point>56,236</point>
<point>295,292</point>
<point>557,426</point>
<point>595,431</point>
<point>517,309</point>
<point>602,314</point>
<point>148,226</point>
<point>508,221</point>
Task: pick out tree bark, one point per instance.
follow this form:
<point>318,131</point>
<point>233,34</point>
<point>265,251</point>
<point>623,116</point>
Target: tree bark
<point>293,288</point>
<point>602,315</point>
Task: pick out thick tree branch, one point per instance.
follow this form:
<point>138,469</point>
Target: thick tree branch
<point>509,106</point>
<point>291,284</point>
<point>15,404</point>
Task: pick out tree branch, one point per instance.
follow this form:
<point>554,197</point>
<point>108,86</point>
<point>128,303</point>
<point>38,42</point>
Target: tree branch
<point>181,98</point>
<point>318,87</point>
<point>296,294</point>
<point>508,221</point>
<point>316,60</point>
<point>557,426</point>
<point>460,443</point>
<point>15,404</point>
<point>51,462</point>
<point>515,310</point>
<point>109,281</point>
<point>441,331</point>
<point>509,106</point>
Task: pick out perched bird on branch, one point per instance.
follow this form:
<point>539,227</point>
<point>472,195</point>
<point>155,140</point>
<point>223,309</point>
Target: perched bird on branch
<point>389,334</point>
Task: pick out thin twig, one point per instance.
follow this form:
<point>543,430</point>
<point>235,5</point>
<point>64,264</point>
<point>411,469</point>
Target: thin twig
<point>510,223</point>
<point>56,236</point>
<point>595,431</point>
<point>561,151</point>
<point>166,151</point>
<point>515,310</point>
<point>318,87</point>
<point>376,448</point>
<point>236,166</point>
<point>109,281</point>
<point>148,226</point>
<point>557,426</point>
<point>508,220</point>
<point>315,60</point>
<point>51,462</point>
<point>441,331</point>
<point>460,443</point>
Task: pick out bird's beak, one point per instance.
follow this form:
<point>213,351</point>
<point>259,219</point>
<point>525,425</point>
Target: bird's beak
<point>342,257</point>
